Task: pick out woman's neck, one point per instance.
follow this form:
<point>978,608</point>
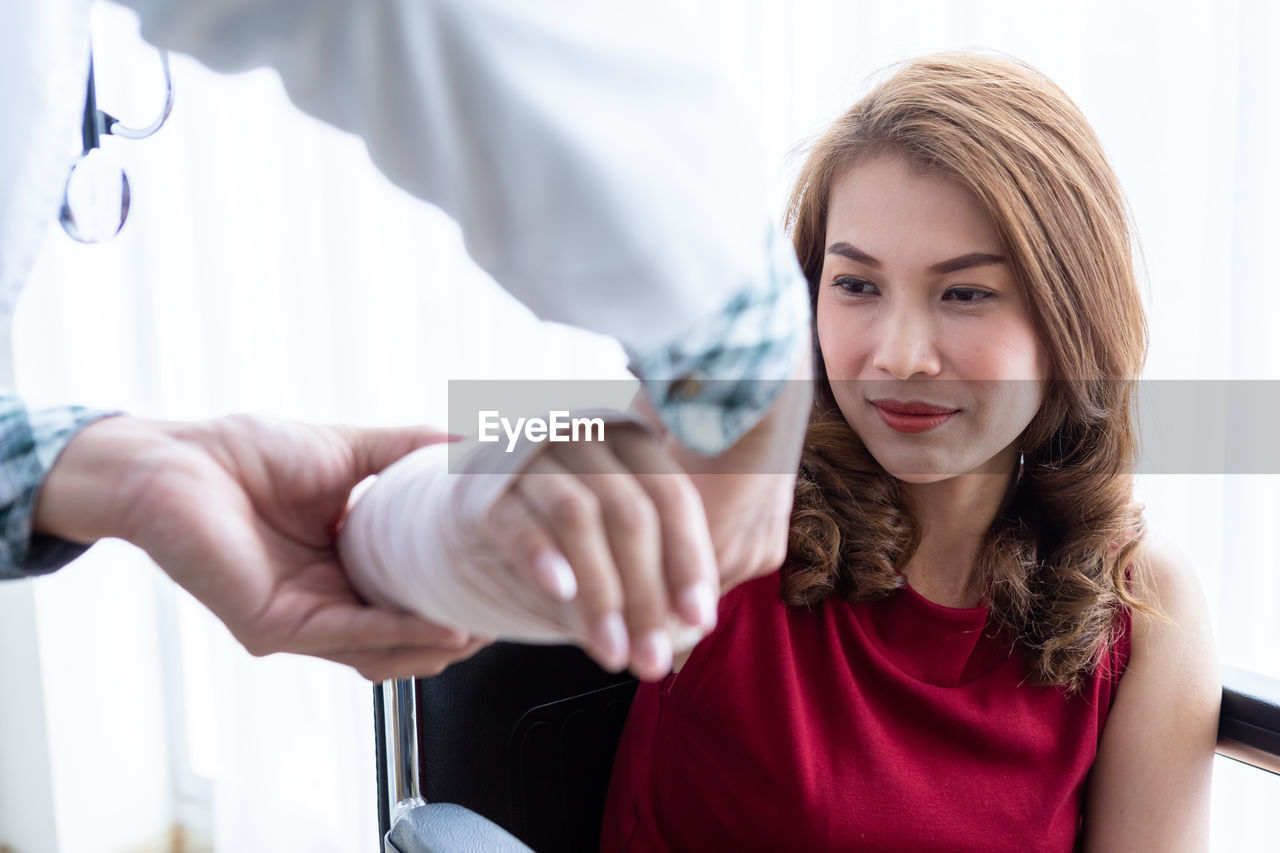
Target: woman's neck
<point>954,516</point>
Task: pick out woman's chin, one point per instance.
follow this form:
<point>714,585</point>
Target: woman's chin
<point>916,471</point>
<point>919,473</point>
<point>917,478</point>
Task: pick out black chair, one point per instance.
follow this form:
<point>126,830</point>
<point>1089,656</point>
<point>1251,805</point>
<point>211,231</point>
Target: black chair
<point>1249,726</point>
<point>524,736</point>
<point>521,735</point>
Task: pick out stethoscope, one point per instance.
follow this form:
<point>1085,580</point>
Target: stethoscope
<point>95,203</point>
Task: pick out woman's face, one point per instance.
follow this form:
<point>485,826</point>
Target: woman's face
<point>925,332</point>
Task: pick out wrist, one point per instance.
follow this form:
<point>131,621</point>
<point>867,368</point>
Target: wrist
<point>88,493</point>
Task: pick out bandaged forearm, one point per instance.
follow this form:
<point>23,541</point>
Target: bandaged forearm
<point>419,539</point>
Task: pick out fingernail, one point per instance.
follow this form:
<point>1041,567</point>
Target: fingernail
<point>555,574</point>
<point>653,652</point>
<point>697,605</point>
<point>610,639</point>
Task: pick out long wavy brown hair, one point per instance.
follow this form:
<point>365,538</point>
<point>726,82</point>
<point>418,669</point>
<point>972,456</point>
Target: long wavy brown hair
<point>1054,562</point>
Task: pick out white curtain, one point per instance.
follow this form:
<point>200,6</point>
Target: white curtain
<point>268,267</point>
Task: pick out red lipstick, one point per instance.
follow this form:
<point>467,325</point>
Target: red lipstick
<point>912,416</point>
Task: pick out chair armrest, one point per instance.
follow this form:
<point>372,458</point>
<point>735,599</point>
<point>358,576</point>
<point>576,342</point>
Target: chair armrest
<point>1249,727</point>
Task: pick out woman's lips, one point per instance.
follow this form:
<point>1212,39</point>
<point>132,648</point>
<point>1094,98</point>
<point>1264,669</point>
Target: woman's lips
<point>912,417</point>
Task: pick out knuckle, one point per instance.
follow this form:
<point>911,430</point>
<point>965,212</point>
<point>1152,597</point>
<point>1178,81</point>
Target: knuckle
<point>600,595</point>
<point>629,510</point>
<point>432,667</point>
<point>516,531</point>
<point>257,646</point>
<point>675,491</point>
<point>504,514</point>
<point>574,509</point>
<point>240,423</point>
<point>525,547</point>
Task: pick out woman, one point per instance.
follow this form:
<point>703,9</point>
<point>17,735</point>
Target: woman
<point>972,645</point>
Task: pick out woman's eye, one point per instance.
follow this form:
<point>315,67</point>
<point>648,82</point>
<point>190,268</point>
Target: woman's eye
<point>967,295</point>
<point>855,286</point>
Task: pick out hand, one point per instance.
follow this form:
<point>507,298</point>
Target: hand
<point>241,512</point>
<point>616,527</point>
<point>748,491</point>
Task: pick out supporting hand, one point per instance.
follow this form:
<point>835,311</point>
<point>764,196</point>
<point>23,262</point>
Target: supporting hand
<point>242,513</point>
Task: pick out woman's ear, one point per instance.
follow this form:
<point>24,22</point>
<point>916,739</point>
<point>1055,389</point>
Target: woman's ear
<point>1036,439</point>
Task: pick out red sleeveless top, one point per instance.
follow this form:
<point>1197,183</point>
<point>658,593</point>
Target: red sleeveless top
<point>897,724</point>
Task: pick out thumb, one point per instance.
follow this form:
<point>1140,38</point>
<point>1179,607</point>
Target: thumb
<point>376,448</point>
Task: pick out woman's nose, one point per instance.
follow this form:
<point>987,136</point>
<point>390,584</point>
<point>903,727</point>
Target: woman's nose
<point>906,345</point>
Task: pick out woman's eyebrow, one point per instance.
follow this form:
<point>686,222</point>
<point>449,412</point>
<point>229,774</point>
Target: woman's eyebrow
<point>963,262</point>
<point>853,253</point>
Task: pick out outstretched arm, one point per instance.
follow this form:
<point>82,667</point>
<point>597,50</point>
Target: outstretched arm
<point>599,170</point>
<point>242,512</point>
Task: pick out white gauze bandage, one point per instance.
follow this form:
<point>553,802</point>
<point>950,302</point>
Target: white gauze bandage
<point>419,540</point>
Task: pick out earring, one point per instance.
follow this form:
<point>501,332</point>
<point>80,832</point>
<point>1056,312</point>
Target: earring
<point>1022,463</point>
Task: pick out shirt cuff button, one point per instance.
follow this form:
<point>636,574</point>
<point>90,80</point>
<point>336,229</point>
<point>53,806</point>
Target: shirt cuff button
<point>684,389</point>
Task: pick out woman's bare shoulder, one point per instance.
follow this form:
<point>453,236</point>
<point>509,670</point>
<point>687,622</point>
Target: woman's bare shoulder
<point>1149,788</point>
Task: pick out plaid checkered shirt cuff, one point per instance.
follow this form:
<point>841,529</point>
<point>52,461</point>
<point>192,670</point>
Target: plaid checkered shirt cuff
<point>715,382</point>
<point>30,441</point>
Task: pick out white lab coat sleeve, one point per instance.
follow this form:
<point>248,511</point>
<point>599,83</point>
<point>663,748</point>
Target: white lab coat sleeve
<point>598,170</point>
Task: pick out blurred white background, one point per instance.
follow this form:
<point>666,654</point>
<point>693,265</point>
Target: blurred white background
<point>268,267</point>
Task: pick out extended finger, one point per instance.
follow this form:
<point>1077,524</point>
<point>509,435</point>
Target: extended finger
<point>423,662</point>
<point>572,514</point>
<point>523,541</point>
<point>688,555</point>
<point>375,448</point>
<point>635,541</point>
<point>339,625</point>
